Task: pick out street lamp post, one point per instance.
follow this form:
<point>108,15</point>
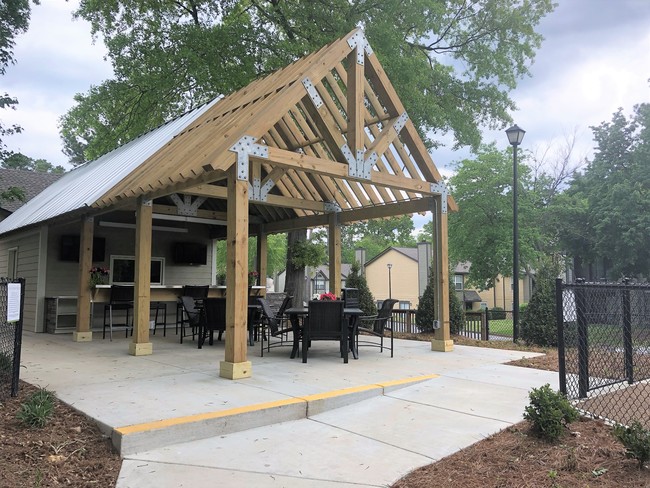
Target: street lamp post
<point>515,136</point>
<point>389,283</point>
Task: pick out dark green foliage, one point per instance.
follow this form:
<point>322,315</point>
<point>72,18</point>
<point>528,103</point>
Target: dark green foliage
<point>496,313</point>
<point>549,412</point>
<point>357,280</point>
<point>426,312</point>
<point>456,311</point>
<point>538,322</point>
<point>37,410</point>
<point>636,440</point>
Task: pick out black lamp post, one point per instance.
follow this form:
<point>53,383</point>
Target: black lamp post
<point>515,136</point>
<point>389,283</point>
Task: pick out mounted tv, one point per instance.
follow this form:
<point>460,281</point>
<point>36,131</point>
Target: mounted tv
<point>190,253</point>
<point>69,248</point>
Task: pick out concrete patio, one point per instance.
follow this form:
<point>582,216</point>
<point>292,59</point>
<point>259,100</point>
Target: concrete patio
<point>320,424</point>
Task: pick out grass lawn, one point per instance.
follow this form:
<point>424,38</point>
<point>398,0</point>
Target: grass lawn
<point>501,327</point>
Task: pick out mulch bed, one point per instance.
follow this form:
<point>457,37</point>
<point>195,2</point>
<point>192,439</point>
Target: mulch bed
<point>587,456</point>
<point>69,451</point>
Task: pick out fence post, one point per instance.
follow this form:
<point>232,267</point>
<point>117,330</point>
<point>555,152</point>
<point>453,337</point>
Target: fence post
<point>484,330</point>
<point>559,320</point>
<point>627,334</point>
<point>583,341</point>
<point>408,322</point>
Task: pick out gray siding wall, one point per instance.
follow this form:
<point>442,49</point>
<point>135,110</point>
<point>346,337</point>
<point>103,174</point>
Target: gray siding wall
<point>30,260</point>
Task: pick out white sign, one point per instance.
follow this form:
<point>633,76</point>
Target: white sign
<point>13,302</point>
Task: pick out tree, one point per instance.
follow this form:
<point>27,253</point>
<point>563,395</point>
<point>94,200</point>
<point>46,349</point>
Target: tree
<point>453,63</point>
<point>376,235</point>
<point>20,161</point>
<point>14,20</point>
<point>427,308</point>
<point>481,232</point>
<point>606,212</point>
<point>357,280</point>
<point>538,321</point>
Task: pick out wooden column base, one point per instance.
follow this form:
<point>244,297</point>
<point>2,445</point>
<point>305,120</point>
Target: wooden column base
<point>442,346</point>
<point>235,371</point>
<point>82,336</point>
<point>141,349</point>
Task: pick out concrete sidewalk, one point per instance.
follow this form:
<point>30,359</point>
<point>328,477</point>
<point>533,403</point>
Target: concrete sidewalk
<point>318,424</point>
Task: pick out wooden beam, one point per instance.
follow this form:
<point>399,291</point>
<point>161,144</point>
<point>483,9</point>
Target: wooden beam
<point>235,365</point>
<point>212,191</point>
<point>83,332</point>
<point>355,107</point>
<point>442,336</point>
<point>355,215</point>
<point>140,346</point>
<point>203,214</point>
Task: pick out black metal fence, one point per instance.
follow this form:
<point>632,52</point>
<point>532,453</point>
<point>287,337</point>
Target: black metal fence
<point>12,298</point>
<point>604,348</point>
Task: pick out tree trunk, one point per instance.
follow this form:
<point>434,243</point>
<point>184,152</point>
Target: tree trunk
<point>294,284</point>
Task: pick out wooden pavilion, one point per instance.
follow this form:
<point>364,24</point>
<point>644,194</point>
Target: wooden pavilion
<point>323,142</point>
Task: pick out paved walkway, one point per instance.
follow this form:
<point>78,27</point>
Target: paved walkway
<point>320,424</point>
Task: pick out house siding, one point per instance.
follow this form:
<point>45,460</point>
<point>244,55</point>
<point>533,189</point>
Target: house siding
<point>404,278</point>
<point>29,259</point>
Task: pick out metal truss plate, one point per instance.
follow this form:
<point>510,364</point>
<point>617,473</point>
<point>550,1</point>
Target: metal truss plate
<point>442,190</point>
<point>401,122</point>
<point>244,147</point>
<point>312,92</point>
<point>331,207</point>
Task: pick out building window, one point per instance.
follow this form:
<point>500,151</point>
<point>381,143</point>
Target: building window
<point>404,305</point>
<point>458,282</point>
<point>123,270</point>
<point>12,263</point>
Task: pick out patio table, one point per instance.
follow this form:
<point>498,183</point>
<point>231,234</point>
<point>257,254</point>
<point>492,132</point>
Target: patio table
<point>296,313</point>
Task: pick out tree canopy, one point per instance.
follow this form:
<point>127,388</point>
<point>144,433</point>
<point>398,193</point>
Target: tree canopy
<point>452,62</point>
<point>605,213</point>
<point>14,20</point>
<point>20,161</point>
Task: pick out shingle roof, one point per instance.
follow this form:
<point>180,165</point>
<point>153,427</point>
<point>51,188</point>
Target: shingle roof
<point>31,182</point>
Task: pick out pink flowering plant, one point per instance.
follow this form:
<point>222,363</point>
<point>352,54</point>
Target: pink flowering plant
<point>98,276</point>
<point>253,276</point>
<point>327,296</point>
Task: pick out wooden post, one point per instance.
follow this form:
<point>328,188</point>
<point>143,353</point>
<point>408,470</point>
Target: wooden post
<point>262,255</point>
<point>83,332</point>
<point>442,336</point>
<point>355,107</point>
<point>334,245</point>
<point>140,346</point>
<point>235,365</point>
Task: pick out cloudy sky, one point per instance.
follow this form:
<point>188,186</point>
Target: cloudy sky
<point>596,58</point>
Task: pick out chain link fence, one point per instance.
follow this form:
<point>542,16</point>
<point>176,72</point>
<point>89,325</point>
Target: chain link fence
<point>604,348</point>
<point>11,302</point>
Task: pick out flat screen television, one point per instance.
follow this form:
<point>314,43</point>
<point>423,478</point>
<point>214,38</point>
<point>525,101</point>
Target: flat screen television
<point>190,253</point>
<point>69,248</point>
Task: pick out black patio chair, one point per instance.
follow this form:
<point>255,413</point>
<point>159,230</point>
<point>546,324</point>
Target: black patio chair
<point>192,316</point>
<point>212,319</point>
<point>160,316</point>
<point>121,299</point>
<point>274,325</point>
<point>376,325</point>
<point>197,292</point>
<point>324,321</point>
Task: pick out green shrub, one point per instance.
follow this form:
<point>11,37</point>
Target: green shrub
<point>636,440</point>
<point>549,412</point>
<point>538,322</point>
<point>356,280</point>
<point>37,409</point>
<point>427,310</point>
<point>496,313</point>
